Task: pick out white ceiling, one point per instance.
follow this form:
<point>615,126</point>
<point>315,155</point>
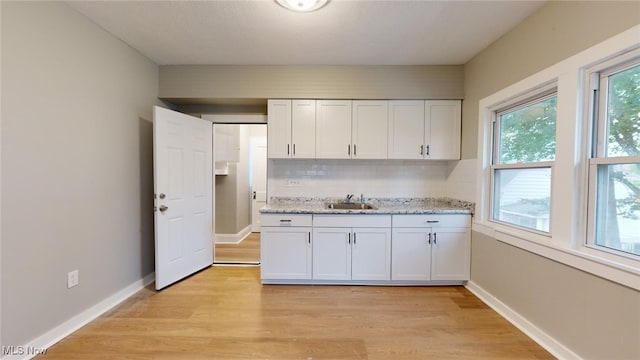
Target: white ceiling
<point>344,32</point>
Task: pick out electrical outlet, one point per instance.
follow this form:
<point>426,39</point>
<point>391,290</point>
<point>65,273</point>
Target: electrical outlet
<point>293,182</point>
<point>72,279</point>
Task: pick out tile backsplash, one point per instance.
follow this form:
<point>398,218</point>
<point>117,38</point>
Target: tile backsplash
<point>462,180</point>
<point>373,178</point>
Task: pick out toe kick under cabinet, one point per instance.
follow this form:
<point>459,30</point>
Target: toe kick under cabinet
<point>365,249</point>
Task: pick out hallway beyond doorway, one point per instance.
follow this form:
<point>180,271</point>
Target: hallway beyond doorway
<point>245,252</point>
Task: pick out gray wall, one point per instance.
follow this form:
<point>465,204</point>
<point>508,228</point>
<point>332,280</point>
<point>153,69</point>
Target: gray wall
<point>77,181</point>
<point>556,31</point>
<point>215,83</point>
<point>232,203</point>
<point>225,203</point>
<point>595,318</point>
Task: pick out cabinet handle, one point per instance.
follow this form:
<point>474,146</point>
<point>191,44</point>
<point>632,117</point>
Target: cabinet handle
<point>429,238</point>
<point>427,150</point>
<point>354,150</point>
<point>349,150</point>
<point>294,149</point>
<point>288,147</point>
<point>309,237</point>
<point>354,238</point>
<point>433,221</point>
<point>285,220</point>
<point>421,150</point>
<point>349,238</point>
<point>435,240</point>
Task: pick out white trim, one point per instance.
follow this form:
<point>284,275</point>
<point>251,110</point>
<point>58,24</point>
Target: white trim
<point>235,118</point>
<point>0,197</point>
<point>65,329</point>
<point>233,238</point>
<point>614,160</point>
<point>543,339</point>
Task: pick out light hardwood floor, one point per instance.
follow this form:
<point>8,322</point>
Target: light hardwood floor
<point>247,251</point>
<point>225,313</point>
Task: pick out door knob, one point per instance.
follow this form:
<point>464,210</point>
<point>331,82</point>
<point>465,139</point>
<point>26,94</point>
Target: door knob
<point>163,208</point>
<point>162,196</point>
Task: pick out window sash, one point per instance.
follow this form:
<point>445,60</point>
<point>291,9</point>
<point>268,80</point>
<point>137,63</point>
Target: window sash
<point>594,214</point>
<point>539,97</point>
<point>599,102</point>
<point>493,197</point>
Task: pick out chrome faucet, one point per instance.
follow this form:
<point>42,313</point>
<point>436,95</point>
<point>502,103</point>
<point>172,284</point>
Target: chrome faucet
<point>348,198</point>
<point>361,198</point>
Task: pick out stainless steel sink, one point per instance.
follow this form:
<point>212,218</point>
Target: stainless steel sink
<point>351,206</point>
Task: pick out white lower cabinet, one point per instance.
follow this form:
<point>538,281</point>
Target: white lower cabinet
<point>285,247</point>
<point>431,247</point>
<point>356,248</point>
<point>362,252</point>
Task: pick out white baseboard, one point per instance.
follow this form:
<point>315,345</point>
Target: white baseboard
<point>48,339</point>
<point>233,238</point>
<point>543,339</point>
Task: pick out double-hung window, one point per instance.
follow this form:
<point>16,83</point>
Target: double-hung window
<point>614,164</point>
<point>524,138</point>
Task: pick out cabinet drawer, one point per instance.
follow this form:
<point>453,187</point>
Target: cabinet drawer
<point>287,220</point>
<point>372,221</point>
<point>431,221</point>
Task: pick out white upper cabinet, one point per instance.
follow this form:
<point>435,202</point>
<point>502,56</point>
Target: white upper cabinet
<point>333,129</point>
<point>406,129</point>
<point>279,129</point>
<point>442,129</point>
<point>364,129</point>
<point>369,129</point>
<point>291,129</point>
<point>303,133</point>
<point>424,129</point>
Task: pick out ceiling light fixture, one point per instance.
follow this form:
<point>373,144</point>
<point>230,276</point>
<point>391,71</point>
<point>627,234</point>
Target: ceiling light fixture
<point>302,5</point>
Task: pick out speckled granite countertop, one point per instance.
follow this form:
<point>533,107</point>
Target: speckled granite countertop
<point>303,205</point>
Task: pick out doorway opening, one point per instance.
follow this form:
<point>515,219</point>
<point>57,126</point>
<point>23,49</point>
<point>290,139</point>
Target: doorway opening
<point>240,153</point>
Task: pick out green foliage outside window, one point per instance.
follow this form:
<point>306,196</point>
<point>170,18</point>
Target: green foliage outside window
<point>529,134</point>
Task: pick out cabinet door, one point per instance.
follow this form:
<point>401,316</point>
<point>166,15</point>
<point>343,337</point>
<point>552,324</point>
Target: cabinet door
<point>332,253</point>
<point>333,129</point>
<point>303,129</point>
<point>442,129</point>
<point>406,129</point>
<point>279,129</point>
<point>285,253</point>
<point>451,248</point>
<point>411,254</point>
<point>371,254</point>
<point>369,128</point>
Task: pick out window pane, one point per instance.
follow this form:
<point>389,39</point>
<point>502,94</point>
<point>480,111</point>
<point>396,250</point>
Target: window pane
<point>521,197</point>
<point>528,134</point>
<point>623,113</point>
<point>618,209</point>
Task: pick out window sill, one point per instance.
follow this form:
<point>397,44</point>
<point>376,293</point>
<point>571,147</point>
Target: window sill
<point>618,272</point>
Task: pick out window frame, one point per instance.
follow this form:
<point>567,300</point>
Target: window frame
<point>596,78</point>
<point>567,244</point>
<point>534,96</point>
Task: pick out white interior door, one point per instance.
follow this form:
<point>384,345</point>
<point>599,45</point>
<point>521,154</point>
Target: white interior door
<point>183,186</point>
<point>258,180</point>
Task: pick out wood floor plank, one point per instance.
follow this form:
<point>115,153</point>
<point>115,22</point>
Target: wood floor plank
<point>225,313</point>
<point>247,251</point>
